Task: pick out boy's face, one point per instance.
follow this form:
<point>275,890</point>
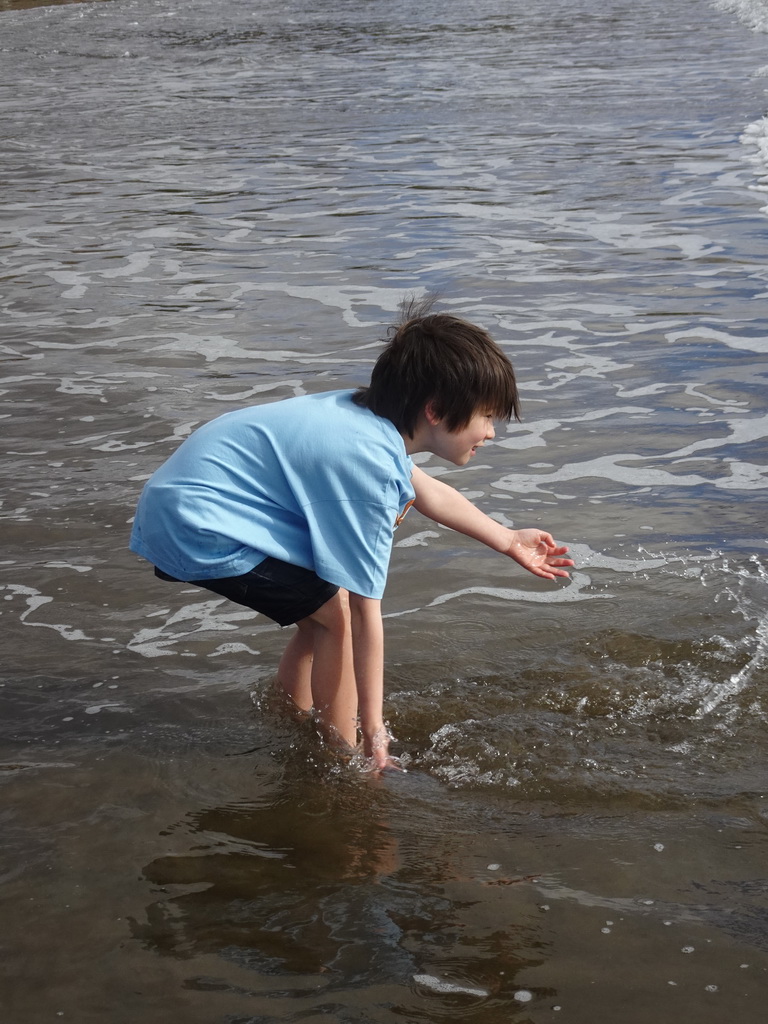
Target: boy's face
<point>458,446</point>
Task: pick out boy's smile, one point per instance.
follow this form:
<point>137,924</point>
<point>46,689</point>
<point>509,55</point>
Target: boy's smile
<point>456,446</point>
<point>459,446</point>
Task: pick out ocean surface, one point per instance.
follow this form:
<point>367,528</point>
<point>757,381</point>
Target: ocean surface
<point>208,204</point>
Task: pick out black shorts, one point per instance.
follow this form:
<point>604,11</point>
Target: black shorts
<point>285,593</point>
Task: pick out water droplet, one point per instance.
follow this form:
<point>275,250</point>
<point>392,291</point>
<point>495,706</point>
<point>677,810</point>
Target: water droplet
<point>523,995</point>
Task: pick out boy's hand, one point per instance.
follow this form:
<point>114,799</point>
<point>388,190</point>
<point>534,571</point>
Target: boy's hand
<point>537,552</point>
<point>377,750</point>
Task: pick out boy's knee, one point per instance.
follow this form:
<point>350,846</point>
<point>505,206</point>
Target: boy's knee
<point>333,615</point>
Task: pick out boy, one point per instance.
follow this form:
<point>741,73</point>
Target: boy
<point>289,508</point>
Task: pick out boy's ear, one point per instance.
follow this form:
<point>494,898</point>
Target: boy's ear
<point>430,415</point>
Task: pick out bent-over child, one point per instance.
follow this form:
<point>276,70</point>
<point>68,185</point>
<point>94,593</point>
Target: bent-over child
<point>289,509</point>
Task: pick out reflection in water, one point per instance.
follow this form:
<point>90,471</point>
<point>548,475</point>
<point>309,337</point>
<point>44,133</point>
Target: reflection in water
<point>291,886</point>
<point>317,884</point>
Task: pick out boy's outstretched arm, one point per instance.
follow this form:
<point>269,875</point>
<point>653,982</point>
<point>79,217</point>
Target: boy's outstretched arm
<point>534,549</point>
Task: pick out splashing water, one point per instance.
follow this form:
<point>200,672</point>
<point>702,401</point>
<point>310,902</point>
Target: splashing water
<point>639,715</point>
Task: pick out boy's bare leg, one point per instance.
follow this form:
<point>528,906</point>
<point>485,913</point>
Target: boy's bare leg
<point>294,673</point>
<point>316,670</point>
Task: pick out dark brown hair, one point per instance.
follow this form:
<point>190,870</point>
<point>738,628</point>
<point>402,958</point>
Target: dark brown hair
<point>445,360</point>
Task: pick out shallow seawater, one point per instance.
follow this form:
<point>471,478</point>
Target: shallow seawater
<point>209,205</point>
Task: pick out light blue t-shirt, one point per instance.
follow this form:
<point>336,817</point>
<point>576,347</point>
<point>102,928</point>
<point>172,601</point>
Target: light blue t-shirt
<point>316,481</point>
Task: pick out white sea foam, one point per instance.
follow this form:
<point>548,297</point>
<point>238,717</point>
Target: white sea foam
<point>76,283</point>
<point>294,385</point>
<point>753,13</point>
<point>640,471</point>
<point>344,298</point>
<point>420,539</point>
<point>585,557</point>
<point>742,431</point>
<point>95,709</point>
<point>448,987</point>
<point>217,615</point>
<point>755,137</point>
<point>233,648</point>
<point>34,599</point>
<point>624,235</point>
<point>747,344</point>
<point>607,467</point>
<point>533,434</point>
<point>574,591</point>
<point>68,565</point>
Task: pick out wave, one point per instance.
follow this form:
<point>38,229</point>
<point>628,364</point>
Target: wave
<point>753,13</point>
<point>755,136</point>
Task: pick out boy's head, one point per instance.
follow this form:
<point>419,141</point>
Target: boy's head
<point>446,361</point>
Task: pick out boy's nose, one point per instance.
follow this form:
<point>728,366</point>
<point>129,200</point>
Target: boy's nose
<point>491,432</point>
